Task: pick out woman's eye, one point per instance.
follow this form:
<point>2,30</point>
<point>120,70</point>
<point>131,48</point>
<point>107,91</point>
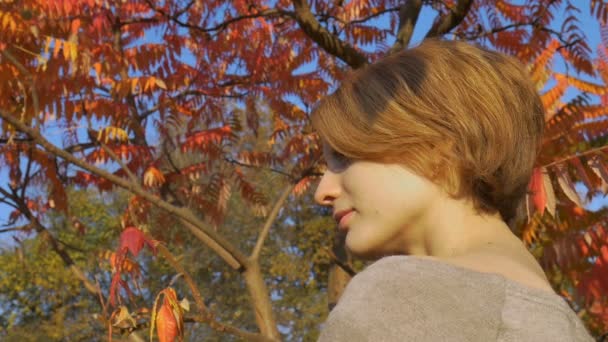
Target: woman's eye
<point>339,160</point>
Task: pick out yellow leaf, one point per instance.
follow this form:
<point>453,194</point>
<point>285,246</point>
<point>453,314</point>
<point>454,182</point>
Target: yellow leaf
<point>160,83</point>
<point>185,304</point>
<point>134,82</point>
<point>73,52</point>
<point>112,133</point>
<point>549,193</point>
<point>565,182</point>
<point>121,318</point>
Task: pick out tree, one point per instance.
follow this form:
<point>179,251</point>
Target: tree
<point>134,86</point>
<point>40,299</point>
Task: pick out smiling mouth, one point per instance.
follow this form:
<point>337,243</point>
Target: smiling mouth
<point>344,219</point>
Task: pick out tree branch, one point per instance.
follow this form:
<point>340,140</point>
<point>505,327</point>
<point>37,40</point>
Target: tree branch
<point>577,155</point>
<point>408,16</point>
<point>46,235</point>
<point>224,248</point>
<point>28,168</point>
<point>280,172</point>
<point>14,229</point>
<point>270,220</point>
<point>329,42</point>
<point>340,263</point>
<point>114,157</point>
<point>198,298</point>
<point>248,336</point>
<point>30,79</point>
<point>21,140</point>
<point>323,17</point>
<point>80,147</point>
<point>223,25</point>
<point>446,23</point>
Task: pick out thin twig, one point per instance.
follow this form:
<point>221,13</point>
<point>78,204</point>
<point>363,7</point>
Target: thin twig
<point>24,227</point>
<point>408,16</point>
<point>340,263</point>
<point>578,155</point>
<point>164,251</point>
<point>270,220</point>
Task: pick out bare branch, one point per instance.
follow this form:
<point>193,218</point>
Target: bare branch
<point>369,17</point>
<point>323,17</point>
<point>247,336</point>
<point>223,25</point>
<point>408,16</point>
<point>340,263</point>
<point>332,44</point>
<point>14,229</point>
<point>198,298</point>
<point>270,220</point>
<point>577,155</point>
<point>80,147</point>
<point>114,157</point>
<point>446,23</point>
<point>4,200</point>
<point>21,140</point>
<point>26,177</point>
<point>280,172</point>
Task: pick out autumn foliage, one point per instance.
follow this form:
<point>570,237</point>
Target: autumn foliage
<point>169,101</point>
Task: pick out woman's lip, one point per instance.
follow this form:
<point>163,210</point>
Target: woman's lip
<point>343,224</point>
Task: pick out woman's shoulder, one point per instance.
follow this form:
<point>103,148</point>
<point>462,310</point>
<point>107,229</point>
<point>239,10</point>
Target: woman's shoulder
<point>405,298</point>
<point>407,272</point>
<point>414,298</point>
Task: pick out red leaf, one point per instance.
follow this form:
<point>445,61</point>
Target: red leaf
<point>539,197</point>
<point>604,251</point>
<point>133,239</point>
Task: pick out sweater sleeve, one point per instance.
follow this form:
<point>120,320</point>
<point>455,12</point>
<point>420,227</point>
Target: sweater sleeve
<point>392,300</point>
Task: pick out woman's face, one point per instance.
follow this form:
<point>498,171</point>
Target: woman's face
<point>379,205</point>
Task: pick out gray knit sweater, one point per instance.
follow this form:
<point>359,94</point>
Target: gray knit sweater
<point>404,298</point>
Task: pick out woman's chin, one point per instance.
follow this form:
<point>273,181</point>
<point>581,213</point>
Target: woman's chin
<point>361,248</point>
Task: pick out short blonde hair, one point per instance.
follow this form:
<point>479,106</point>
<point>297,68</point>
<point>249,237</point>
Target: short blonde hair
<point>467,118</point>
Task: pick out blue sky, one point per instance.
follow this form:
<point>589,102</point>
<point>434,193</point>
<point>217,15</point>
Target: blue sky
<point>589,25</point>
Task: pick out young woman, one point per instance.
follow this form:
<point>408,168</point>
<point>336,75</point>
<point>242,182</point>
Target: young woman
<point>429,152</point>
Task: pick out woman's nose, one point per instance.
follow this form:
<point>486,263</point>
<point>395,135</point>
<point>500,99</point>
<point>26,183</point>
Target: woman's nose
<point>328,189</point>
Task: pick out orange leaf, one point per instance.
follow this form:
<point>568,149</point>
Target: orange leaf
<point>539,197</point>
<point>578,211</point>
<point>604,251</point>
<point>582,85</point>
<point>166,324</point>
<point>153,177</point>
<point>168,319</point>
<point>75,26</point>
